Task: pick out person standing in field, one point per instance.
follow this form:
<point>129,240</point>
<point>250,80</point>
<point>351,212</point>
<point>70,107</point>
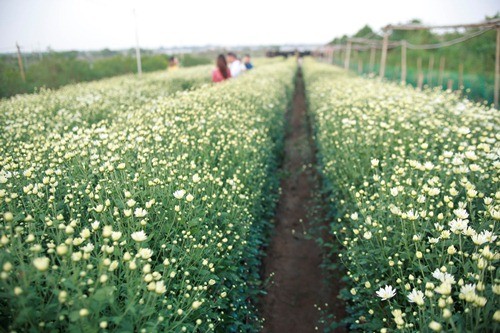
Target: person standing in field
<point>247,62</point>
<point>173,64</point>
<point>235,65</point>
<point>222,71</point>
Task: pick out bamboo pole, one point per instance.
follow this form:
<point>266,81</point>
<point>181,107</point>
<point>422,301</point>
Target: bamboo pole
<point>20,62</point>
<point>384,54</point>
<point>347,55</point>
<point>497,69</point>
<point>442,61</point>
<point>403,61</point>
<point>420,81</point>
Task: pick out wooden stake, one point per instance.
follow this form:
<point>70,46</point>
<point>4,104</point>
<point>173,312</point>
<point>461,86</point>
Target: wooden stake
<point>497,70</point>
<point>403,61</point>
<point>372,59</point>
<point>360,65</point>
<point>420,81</point>
<point>20,62</point>
<point>441,70</point>
<point>430,70</point>
<point>450,84</point>
<point>347,55</point>
<point>384,54</point>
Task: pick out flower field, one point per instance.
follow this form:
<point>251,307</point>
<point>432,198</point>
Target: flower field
<point>413,180</point>
<point>83,104</point>
<point>124,208</point>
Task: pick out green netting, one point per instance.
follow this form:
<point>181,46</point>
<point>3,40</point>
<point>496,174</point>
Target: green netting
<point>475,86</point>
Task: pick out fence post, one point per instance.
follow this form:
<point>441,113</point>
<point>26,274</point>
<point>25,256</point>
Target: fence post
<point>497,69</point>
<point>442,61</point>
<point>450,84</point>
<point>420,81</point>
<point>384,53</point>
<point>347,55</point>
<point>20,62</point>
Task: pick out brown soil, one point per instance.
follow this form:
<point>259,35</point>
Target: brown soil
<point>293,259</point>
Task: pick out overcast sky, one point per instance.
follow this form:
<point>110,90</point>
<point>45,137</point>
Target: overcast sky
<point>98,24</point>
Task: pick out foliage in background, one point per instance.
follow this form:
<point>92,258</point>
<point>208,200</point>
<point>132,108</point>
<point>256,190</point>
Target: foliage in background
<point>189,60</point>
<point>55,69</point>
<point>414,184</point>
<point>477,56</point>
<point>136,213</point>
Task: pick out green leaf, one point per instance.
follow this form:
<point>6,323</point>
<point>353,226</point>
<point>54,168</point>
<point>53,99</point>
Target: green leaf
<point>104,294</point>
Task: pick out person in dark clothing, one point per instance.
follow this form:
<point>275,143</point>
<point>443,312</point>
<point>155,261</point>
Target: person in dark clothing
<point>247,62</point>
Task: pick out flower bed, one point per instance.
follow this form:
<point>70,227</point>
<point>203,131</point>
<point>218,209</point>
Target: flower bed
<point>142,214</point>
<point>54,112</point>
<point>413,178</point>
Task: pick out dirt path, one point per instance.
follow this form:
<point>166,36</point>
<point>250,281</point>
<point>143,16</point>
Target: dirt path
<point>297,287</point>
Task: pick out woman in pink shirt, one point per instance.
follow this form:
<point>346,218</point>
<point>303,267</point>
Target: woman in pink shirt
<point>222,72</point>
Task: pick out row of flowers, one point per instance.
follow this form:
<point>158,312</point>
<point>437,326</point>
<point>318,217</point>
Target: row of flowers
<point>125,210</point>
<point>50,113</point>
<point>413,180</point>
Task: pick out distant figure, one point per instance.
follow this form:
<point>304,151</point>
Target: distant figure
<point>247,62</point>
<point>221,72</point>
<point>173,64</point>
<point>235,64</point>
